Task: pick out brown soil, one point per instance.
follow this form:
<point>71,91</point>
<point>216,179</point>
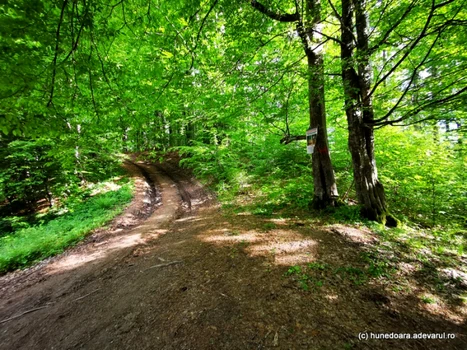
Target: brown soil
<point>189,276</point>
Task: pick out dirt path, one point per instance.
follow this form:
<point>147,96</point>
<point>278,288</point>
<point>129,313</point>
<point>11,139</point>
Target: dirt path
<point>191,277</point>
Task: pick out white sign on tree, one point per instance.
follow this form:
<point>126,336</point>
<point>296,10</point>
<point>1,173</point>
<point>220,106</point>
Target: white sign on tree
<point>311,135</point>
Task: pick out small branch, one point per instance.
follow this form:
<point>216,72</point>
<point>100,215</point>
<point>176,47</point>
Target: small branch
<point>166,85</point>
<point>409,50</point>
<point>24,313</point>
<point>348,190</point>
<point>286,17</point>
<point>393,27</point>
<point>164,265</point>
<point>289,138</point>
<point>327,36</point>
<point>199,34</point>
<point>57,46</point>
<point>420,108</point>
<point>84,296</point>
<point>412,78</point>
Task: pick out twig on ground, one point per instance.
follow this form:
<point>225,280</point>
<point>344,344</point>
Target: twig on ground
<point>40,308</point>
<point>275,342</point>
<point>86,295</point>
<point>23,313</point>
<point>164,265</point>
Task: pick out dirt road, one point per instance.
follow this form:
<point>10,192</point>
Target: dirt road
<point>188,276</point>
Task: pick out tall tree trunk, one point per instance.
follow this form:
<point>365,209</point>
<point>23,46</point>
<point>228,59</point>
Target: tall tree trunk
<point>359,112</point>
<point>308,22</point>
<point>325,187</point>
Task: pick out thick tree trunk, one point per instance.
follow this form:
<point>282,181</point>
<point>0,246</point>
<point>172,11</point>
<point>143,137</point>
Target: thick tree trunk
<point>370,191</point>
<point>308,23</point>
<point>325,187</point>
<point>359,112</point>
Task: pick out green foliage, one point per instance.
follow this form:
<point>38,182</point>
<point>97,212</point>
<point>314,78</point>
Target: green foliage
<point>354,274</point>
<point>346,213</point>
<point>423,176</point>
<point>304,278</point>
<point>32,244</point>
<point>38,170</point>
<point>427,299</point>
<point>377,266</point>
<point>83,82</point>
<point>28,172</point>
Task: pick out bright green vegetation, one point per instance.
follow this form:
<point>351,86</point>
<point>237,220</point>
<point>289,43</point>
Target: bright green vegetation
<point>28,245</point>
<point>233,87</point>
<point>313,274</point>
<point>425,181</point>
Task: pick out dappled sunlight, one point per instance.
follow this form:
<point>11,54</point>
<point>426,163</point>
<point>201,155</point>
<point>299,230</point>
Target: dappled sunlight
<point>118,239</point>
<point>281,246</point>
<point>105,187</point>
<point>286,253</point>
<point>284,247</point>
<point>279,222</point>
<point>189,219</point>
<point>78,259</point>
<point>432,304</point>
<point>356,235</point>
<point>333,298</point>
<point>294,259</point>
<point>224,235</point>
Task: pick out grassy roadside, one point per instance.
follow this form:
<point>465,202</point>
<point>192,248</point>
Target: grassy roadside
<point>29,245</point>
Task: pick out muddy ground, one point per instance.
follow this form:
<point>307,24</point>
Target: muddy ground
<point>177,272</point>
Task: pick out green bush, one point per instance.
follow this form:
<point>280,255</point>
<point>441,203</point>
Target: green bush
<point>35,243</point>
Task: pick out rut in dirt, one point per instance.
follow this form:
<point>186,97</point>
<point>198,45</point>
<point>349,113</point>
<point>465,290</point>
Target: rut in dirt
<point>190,277</point>
<point>59,288</point>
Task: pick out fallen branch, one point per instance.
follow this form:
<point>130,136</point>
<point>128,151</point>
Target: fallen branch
<point>40,308</point>
<point>84,296</point>
<point>23,313</point>
<point>164,265</point>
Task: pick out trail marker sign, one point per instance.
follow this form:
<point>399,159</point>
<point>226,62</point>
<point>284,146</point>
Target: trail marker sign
<point>311,135</point>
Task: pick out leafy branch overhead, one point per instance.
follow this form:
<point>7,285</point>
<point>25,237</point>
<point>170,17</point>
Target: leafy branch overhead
<point>217,77</point>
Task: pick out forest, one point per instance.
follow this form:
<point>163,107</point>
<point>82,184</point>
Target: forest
<point>339,111</point>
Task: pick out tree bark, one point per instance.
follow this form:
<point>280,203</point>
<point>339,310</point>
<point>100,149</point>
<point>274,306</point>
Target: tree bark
<point>325,187</point>
<point>359,112</point>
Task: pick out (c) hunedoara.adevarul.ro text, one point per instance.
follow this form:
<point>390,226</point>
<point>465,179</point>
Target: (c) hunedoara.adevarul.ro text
<point>392,335</point>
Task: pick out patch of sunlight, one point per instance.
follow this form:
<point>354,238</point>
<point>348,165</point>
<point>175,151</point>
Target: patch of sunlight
<point>284,247</point>
<point>332,297</point>
<point>280,221</point>
<point>286,253</point>
<point>78,259</point>
<point>225,235</point>
<point>437,307</point>
<point>454,275</point>
<point>190,218</point>
<point>294,259</point>
<point>104,187</point>
<point>353,234</point>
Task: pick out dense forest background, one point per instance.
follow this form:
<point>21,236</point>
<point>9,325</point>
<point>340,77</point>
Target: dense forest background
<point>233,86</point>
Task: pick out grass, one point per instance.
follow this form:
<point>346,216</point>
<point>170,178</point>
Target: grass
<point>29,245</point>
<point>303,277</point>
<point>428,300</point>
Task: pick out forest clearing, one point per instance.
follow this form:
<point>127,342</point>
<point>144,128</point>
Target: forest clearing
<point>233,175</point>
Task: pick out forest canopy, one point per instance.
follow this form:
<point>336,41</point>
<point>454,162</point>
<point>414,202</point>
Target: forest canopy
<point>234,86</point>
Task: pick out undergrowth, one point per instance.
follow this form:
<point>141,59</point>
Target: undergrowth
<point>31,244</point>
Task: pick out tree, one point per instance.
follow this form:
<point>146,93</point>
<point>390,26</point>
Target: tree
<point>358,108</point>
<point>308,23</point>
<point>357,54</point>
